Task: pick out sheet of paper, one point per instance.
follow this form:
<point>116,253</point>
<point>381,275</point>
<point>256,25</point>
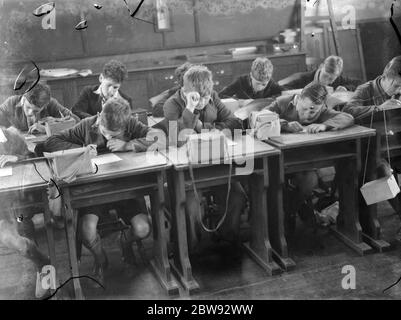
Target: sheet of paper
<point>30,137</point>
<point>106,158</point>
<point>2,136</point>
<point>6,171</point>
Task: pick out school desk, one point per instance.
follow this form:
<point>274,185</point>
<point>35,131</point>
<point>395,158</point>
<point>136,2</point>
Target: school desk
<point>342,148</point>
<point>137,174</point>
<point>25,189</point>
<point>264,197</point>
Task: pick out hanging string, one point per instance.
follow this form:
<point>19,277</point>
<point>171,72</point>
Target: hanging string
<point>191,173</point>
<point>368,148</point>
<point>48,182</point>
<point>386,134</point>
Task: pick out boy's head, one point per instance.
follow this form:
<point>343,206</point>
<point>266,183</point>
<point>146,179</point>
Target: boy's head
<point>261,73</point>
<point>330,70</point>
<point>114,118</point>
<point>180,71</point>
<point>36,99</point>
<point>199,79</point>
<point>391,81</point>
<point>310,102</point>
<point>111,78</point>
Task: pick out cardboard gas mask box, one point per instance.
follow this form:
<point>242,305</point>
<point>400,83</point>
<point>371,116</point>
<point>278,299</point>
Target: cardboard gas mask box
<point>265,124</point>
<point>380,190</point>
<point>66,165</point>
<point>207,147</point>
<point>53,127</point>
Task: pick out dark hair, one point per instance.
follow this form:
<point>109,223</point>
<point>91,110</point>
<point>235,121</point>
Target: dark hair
<point>180,71</point>
<point>39,96</point>
<point>333,65</point>
<point>115,114</point>
<point>393,68</point>
<point>316,92</point>
<point>115,70</point>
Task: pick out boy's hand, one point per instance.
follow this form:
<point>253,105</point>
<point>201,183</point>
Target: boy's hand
<point>116,145</point>
<point>389,104</point>
<point>341,89</point>
<point>316,127</point>
<point>193,99</point>
<point>293,127</point>
<point>37,128</point>
<point>7,158</point>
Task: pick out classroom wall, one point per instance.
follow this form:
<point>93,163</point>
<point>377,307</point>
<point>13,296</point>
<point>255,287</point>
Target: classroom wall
<point>112,31</point>
<point>379,41</point>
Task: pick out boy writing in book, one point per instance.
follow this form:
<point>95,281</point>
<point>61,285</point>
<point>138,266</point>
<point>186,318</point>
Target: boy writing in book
<point>377,94</point>
<point>114,129</point>
<point>92,98</point>
<point>329,73</point>
<point>258,84</point>
<point>306,112</point>
<point>196,106</point>
<point>25,112</point>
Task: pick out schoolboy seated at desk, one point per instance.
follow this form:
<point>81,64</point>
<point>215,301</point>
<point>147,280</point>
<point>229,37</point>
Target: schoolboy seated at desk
<point>258,84</point>
<point>92,98</point>
<point>197,106</point>
<point>306,112</point>
<point>328,74</point>
<point>25,112</point>
<point>377,94</point>
<point>114,129</point>
<point>14,235</point>
<point>158,101</point>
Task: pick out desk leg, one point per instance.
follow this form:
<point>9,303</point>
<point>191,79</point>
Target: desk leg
<point>348,228</point>
<point>70,235</point>
<point>276,212</point>
<point>368,214</point>
<point>259,247</point>
<point>180,262</point>
<point>160,263</point>
<point>49,231</point>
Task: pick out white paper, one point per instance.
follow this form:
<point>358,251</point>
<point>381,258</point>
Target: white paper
<point>6,171</point>
<point>2,136</point>
<point>105,158</point>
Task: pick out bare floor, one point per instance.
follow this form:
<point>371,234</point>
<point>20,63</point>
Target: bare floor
<point>227,273</point>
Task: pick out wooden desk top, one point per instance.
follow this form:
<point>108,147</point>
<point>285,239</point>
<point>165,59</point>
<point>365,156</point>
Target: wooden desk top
<point>25,177</point>
<point>241,150</point>
<point>131,164</point>
<point>293,140</point>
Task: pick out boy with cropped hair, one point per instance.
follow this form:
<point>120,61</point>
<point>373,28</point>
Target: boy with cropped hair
<point>92,98</point>
<point>258,84</point>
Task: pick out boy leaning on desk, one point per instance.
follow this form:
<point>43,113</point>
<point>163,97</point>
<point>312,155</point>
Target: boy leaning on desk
<point>307,113</point>
<point>196,106</point>
<point>114,129</point>
<point>25,112</point>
